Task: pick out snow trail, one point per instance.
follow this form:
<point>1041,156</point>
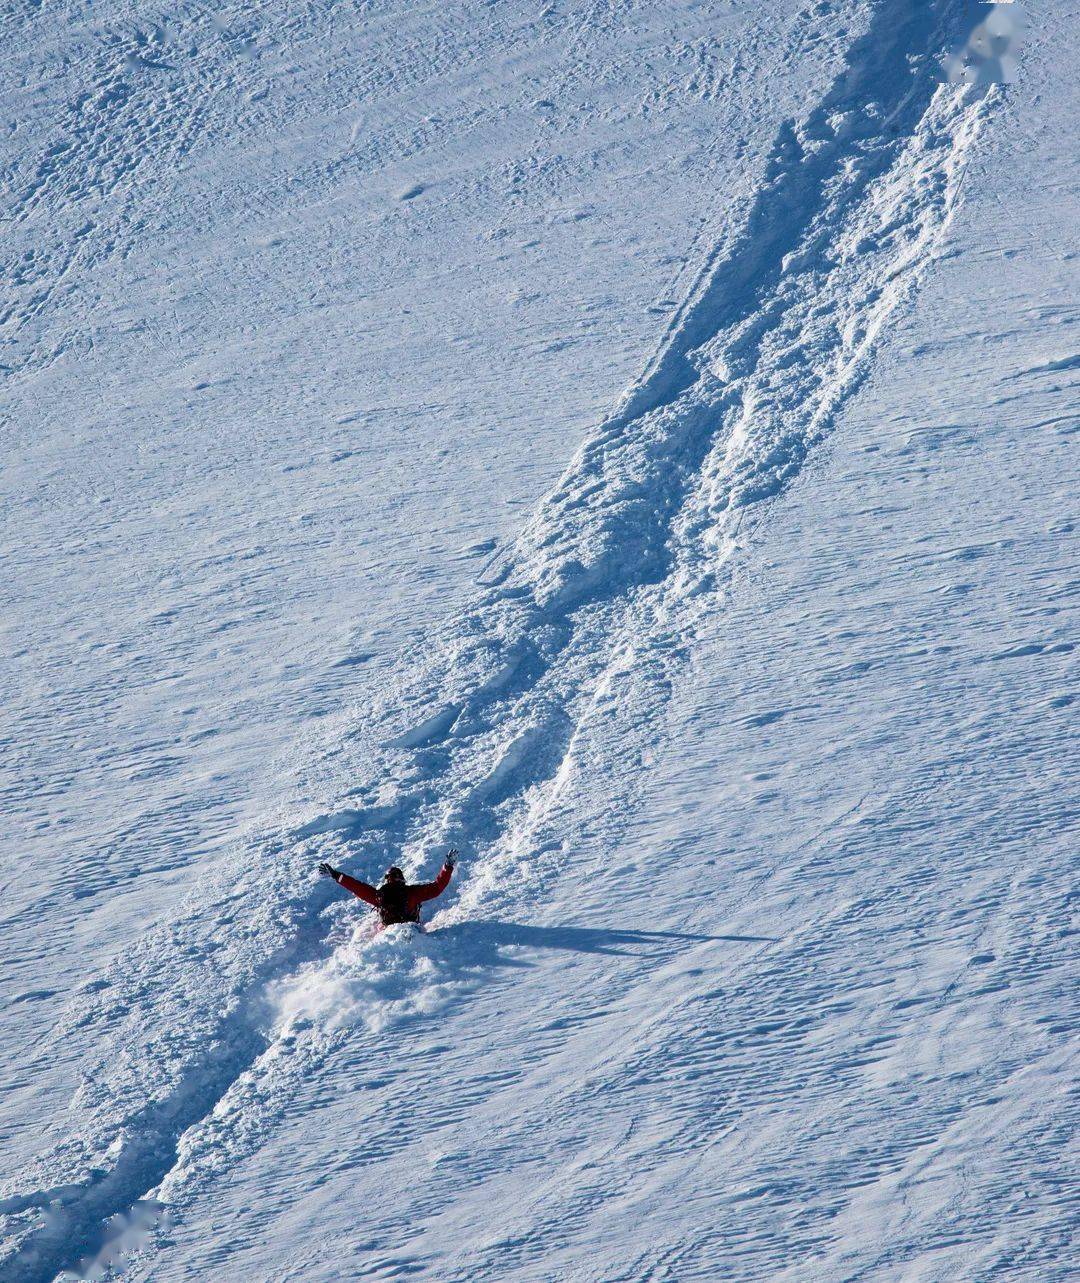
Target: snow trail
<point>213,1017</point>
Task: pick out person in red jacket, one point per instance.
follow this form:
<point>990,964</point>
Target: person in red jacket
<point>396,900</point>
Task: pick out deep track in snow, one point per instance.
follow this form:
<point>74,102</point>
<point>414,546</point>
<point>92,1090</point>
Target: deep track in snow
<point>630,547</point>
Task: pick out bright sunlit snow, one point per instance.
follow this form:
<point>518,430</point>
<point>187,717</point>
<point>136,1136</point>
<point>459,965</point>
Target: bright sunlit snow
<point>632,442</point>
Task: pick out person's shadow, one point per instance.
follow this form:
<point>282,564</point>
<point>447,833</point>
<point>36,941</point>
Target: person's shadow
<point>487,940</point>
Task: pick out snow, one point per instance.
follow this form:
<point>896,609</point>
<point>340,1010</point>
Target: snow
<point>633,443</point>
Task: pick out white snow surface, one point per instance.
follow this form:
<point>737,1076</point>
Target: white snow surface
<point>633,441</point>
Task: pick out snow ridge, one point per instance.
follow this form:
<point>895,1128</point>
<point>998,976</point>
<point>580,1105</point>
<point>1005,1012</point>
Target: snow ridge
<point>478,734</point>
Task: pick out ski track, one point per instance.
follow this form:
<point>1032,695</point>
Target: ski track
<point>480,733</point>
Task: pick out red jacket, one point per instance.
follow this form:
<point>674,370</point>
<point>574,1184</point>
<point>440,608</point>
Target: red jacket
<point>415,895</point>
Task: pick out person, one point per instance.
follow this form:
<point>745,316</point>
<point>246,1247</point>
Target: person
<point>395,900</point>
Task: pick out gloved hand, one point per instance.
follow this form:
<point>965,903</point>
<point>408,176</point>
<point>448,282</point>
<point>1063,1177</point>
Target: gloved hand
<point>328,871</point>
<point>451,858</point>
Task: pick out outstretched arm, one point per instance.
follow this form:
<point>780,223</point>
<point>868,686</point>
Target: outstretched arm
<point>362,890</point>
<point>429,890</point>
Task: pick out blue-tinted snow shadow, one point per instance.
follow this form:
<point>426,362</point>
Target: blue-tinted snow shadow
<point>474,937</point>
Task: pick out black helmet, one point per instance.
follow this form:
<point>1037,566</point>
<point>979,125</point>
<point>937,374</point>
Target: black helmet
<point>393,874</point>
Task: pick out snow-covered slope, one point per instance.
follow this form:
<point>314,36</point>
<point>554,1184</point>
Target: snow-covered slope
<point>754,719</point>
